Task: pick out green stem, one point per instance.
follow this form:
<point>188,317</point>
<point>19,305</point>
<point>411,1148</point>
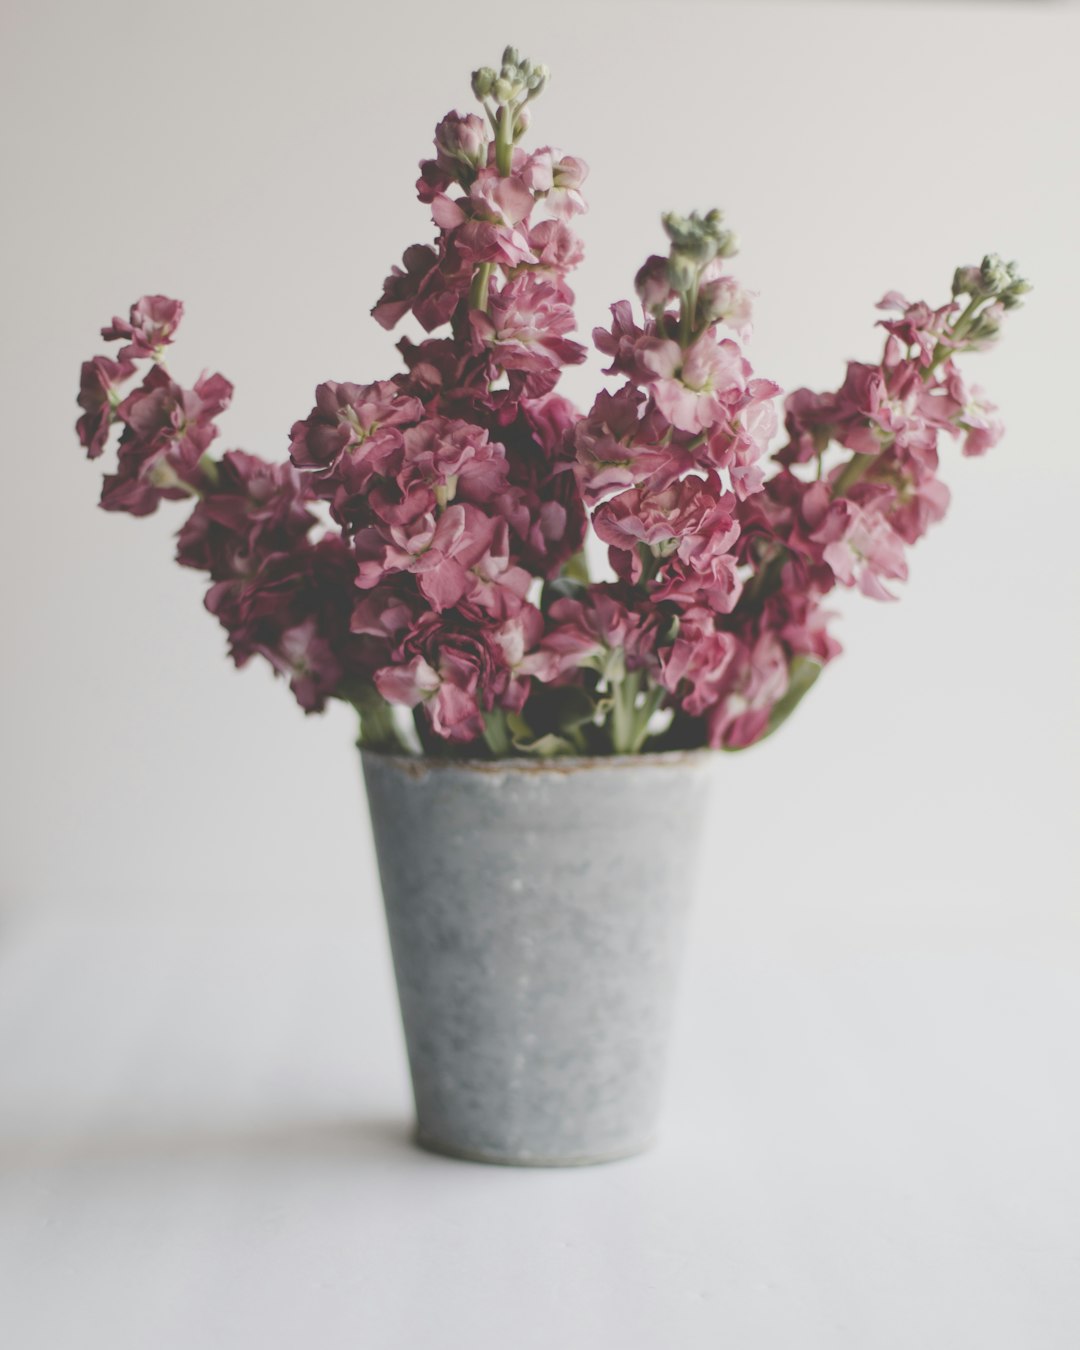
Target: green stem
<point>959,328</point>
<point>856,466</point>
<point>497,734</point>
<point>478,293</point>
<point>378,730</point>
<point>504,141</point>
<point>625,733</point>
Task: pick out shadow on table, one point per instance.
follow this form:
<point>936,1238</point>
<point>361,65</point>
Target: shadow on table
<point>358,1142</point>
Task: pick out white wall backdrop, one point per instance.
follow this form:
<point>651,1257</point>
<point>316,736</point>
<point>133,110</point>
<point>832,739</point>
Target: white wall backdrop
<point>874,1105</point>
<point>258,160</point>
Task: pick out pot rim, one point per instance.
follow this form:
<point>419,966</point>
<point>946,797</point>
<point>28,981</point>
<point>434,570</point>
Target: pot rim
<point>415,765</point>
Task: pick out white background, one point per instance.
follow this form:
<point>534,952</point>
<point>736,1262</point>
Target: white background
<point>203,1101</point>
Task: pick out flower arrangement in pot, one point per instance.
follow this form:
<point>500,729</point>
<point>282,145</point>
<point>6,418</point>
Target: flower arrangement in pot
<point>421,555</point>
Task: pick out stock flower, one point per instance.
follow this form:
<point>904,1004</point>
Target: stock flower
<point>721,299</point>
<point>456,673</point>
<point>252,510</point>
<point>618,445</point>
<point>693,388</point>
<point>919,326</point>
<point>99,397</point>
<point>150,328</point>
<point>461,145</point>
<point>167,430</point>
<point>525,328</point>
<point>756,678</point>
<point>362,421</point>
<point>859,544</point>
<point>690,520</point>
<point>694,666</point>
<point>425,540</point>
<point>604,628</point>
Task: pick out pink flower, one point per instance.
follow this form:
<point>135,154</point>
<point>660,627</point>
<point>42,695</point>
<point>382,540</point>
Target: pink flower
<point>693,388</point>
<point>694,667</point>
<point>690,520</point>
<point>557,248</point>
<point>564,198</point>
<point>623,342</point>
<point>457,556</point>
<point>99,397</point>
<point>362,422</point>
<point>858,543</point>
<point>600,630</point>
<point>653,286</point>
<point>920,327</point>
<point>756,677</point>
<point>308,662</point>
<point>721,299</point>
<point>461,145</point>
<point>167,430</point>
<point>738,443</point>
<point>151,327</point>
<point>619,446</point>
<point>525,327</point>
<point>293,610</point>
<point>252,510</point>
<point>810,420</point>
<point>456,672</point>
<point>431,285</point>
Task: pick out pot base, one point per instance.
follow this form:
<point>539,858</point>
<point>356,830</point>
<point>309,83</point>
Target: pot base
<point>444,1150</point>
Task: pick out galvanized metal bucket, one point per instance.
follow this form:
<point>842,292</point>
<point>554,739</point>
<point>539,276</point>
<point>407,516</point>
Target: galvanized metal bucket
<point>535,910</point>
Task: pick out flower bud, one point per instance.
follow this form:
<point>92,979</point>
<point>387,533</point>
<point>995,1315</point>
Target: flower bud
<point>966,281</point>
<point>482,81</point>
<point>652,284</point>
<point>986,328</point>
<point>461,140</point>
<point>682,271</point>
<point>995,275</point>
<point>701,238</point>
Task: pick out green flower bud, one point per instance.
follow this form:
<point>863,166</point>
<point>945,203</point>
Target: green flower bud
<point>995,275</point>
<point>699,237</point>
<point>482,81</point>
<point>682,272</point>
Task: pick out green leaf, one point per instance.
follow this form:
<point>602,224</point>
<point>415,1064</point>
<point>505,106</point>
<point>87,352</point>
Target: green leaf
<point>577,568</point>
<point>801,676</point>
<point>565,587</point>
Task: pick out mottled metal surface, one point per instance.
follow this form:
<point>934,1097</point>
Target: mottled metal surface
<point>535,912</point>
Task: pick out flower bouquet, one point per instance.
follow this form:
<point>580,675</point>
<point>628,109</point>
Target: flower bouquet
<point>422,555</point>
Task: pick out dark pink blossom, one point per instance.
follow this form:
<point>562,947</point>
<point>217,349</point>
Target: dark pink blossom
<point>359,421</point>
<point>691,521</point>
<point>167,430</point>
<point>525,327</point>
<point>919,327</point>
<point>150,328</point>
<point>756,678</point>
<point>99,398</point>
<point>694,666</point>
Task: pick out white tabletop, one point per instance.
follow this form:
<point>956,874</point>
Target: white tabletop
<point>205,1143</point>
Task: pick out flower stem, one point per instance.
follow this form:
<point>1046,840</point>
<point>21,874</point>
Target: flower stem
<point>478,293</point>
<point>624,713</point>
<point>504,141</point>
<point>856,466</point>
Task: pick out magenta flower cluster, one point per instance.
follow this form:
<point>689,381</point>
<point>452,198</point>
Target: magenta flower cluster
<point>452,579</point>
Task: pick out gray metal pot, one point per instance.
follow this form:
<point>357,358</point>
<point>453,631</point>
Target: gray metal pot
<point>536,911</point>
